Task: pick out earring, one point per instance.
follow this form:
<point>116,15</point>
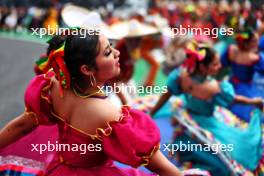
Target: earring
<point>92,80</point>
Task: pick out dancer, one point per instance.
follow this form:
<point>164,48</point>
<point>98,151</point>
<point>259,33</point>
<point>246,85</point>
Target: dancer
<point>175,53</point>
<point>147,44</point>
<point>201,95</point>
<point>69,97</point>
<point>244,63</point>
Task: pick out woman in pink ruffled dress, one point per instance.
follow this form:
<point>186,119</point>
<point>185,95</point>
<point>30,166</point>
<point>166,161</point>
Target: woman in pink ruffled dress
<point>68,95</point>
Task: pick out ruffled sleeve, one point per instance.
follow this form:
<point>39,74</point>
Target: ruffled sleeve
<point>133,139</point>
<point>173,82</point>
<point>226,96</point>
<point>37,98</point>
<point>259,66</point>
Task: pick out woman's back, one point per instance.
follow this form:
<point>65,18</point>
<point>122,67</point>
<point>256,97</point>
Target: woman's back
<point>85,114</point>
<point>203,97</point>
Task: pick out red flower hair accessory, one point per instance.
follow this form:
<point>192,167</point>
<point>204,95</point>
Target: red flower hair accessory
<point>192,57</point>
<point>56,61</point>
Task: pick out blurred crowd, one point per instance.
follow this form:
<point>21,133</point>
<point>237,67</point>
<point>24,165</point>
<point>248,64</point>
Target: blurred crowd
<point>16,15</point>
<point>236,14</point>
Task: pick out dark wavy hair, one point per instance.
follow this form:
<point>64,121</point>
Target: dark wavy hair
<point>209,56</point>
<point>79,50</point>
<point>243,42</point>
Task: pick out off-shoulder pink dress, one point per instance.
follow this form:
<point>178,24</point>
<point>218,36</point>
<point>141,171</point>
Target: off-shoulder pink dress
<point>131,140</point>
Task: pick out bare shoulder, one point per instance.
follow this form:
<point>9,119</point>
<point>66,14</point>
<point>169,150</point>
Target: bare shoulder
<point>86,114</point>
<point>105,110</point>
<point>215,86</point>
<point>206,90</point>
<point>212,87</point>
<point>232,52</point>
<point>96,111</point>
<point>254,58</point>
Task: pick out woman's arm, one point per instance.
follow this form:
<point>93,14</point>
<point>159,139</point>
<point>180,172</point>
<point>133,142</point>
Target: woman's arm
<point>252,101</point>
<point>202,91</point>
<point>17,128</point>
<point>161,165</point>
<point>162,100</point>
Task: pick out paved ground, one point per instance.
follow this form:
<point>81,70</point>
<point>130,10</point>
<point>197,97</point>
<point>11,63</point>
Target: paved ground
<point>16,69</point>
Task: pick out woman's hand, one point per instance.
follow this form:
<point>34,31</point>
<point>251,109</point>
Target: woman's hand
<point>161,165</point>
<point>174,121</point>
<point>162,100</point>
<point>259,102</point>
